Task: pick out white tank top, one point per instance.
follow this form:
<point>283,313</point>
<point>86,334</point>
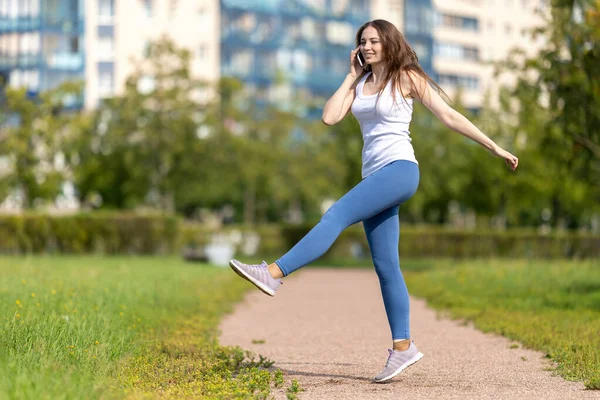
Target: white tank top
<point>385,130</point>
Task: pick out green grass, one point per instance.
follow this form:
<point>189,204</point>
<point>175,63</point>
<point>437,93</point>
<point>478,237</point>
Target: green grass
<point>552,306</point>
<point>92,327</point>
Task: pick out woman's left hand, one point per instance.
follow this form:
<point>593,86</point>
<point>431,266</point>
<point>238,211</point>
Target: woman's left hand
<point>511,160</point>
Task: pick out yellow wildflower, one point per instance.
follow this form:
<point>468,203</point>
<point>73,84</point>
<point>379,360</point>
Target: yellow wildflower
<point>32,294</point>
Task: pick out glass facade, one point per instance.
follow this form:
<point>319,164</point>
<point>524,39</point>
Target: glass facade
<point>303,43</point>
<point>41,42</point>
<point>456,22</point>
<point>418,30</point>
<point>456,51</point>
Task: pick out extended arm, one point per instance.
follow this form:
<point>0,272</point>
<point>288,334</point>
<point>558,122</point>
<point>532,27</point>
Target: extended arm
<point>422,91</point>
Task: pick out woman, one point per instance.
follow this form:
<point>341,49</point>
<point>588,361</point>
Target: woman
<point>381,98</point>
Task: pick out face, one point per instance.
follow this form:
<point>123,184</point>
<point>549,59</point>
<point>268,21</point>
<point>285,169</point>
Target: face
<point>370,46</point>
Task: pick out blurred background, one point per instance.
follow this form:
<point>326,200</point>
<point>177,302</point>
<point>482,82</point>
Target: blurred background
<point>193,126</point>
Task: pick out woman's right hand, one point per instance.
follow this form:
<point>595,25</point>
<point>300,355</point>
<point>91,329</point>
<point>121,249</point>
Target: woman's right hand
<point>355,68</point>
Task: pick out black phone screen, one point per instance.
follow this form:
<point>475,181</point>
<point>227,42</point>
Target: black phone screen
<point>361,60</point>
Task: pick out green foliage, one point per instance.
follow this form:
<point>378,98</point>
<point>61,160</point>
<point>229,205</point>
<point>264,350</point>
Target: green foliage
<point>293,390</point>
<point>99,232</point>
<point>181,366</point>
<point>265,156</point>
<point>128,233</point>
<point>443,242</point>
<point>557,106</point>
<point>32,138</point>
<point>166,143</point>
<point>548,306</point>
<point>142,147</point>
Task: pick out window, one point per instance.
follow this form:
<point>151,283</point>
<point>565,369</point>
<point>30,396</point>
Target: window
<point>202,51</point>
<point>26,8</point>
<point>457,22</point>
<point>339,33</point>
<point>147,7</point>
<point>421,49</point>
<point>106,78</point>
<point>172,8</point>
<point>106,11</point>
<point>105,47</point>
<point>468,82</point>
<point>456,51</point>
<point>419,18</point>
<point>105,41</point>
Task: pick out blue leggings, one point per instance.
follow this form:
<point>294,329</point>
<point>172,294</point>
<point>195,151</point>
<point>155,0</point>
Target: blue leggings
<point>375,201</point>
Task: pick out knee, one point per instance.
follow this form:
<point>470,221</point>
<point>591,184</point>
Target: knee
<point>333,218</point>
<point>387,271</point>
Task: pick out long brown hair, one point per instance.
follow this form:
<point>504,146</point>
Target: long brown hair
<point>398,56</point>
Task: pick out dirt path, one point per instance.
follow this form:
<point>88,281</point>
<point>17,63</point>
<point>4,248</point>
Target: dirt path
<point>328,330</point>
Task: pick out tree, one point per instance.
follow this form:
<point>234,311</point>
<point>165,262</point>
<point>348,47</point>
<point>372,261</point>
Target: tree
<point>31,140</point>
<point>143,148</point>
<point>562,84</point>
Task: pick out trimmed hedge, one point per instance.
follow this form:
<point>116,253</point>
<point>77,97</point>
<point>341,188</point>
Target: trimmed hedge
<point>103,232</point>
<point>426,241</point>
<point>128,233</point>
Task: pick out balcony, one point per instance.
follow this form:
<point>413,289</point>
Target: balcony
<point>65,61</point>
<point>21,61</point>
<point>19,24</point>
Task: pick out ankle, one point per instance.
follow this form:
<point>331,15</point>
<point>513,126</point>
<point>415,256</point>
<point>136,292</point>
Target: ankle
<point>402,344</point>
<point>275,271</point>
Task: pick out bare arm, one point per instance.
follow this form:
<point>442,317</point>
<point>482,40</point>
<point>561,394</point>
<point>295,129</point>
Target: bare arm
<point>339,104</point>
<point>422,91</point>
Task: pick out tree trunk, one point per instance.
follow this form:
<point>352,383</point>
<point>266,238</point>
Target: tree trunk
<point>250,205</point>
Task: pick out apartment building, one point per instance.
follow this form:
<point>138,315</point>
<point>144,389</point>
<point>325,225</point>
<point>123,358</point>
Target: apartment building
<point>285,50</point>
<point>461,38</point>
<point>281,49</point>
<point>470,35</point>
<point>45,42</point>
<point>41,43</point>
<point>117,33</point>
<point>414,18</point>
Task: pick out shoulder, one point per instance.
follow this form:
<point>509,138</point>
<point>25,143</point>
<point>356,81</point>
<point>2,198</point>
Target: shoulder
<point>412,77</point>
<point>415,82</point>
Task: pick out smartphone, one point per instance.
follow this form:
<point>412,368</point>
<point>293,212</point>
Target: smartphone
<point>360,58</point>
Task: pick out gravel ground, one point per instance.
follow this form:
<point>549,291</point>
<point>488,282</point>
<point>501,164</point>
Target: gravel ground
<point>327,329</point>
